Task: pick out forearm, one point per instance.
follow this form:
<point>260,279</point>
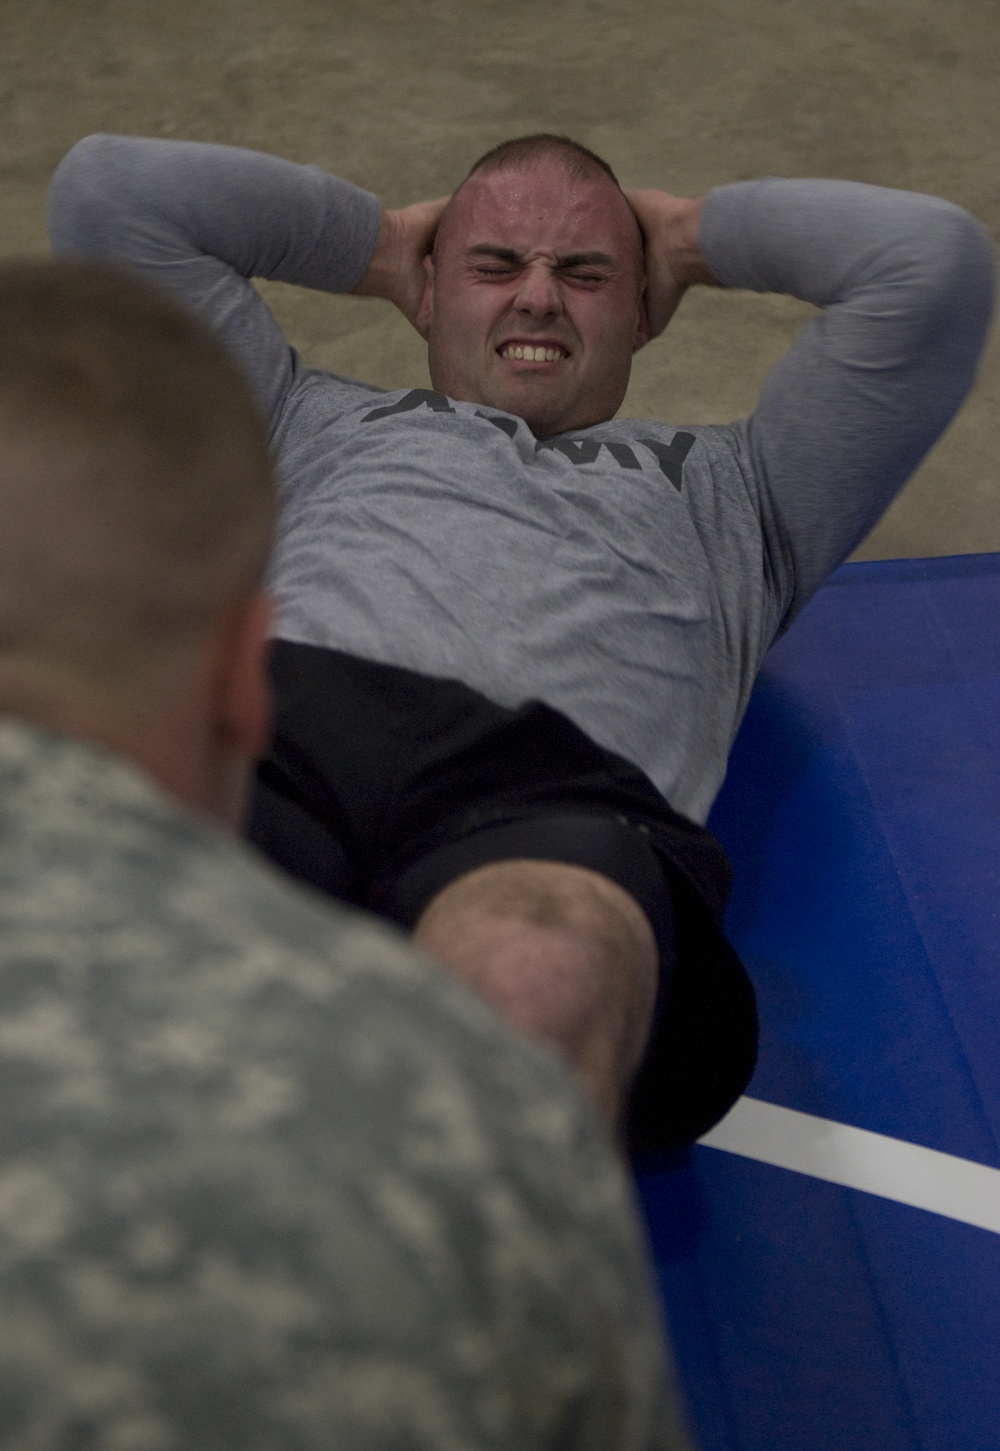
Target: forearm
<point>155,203</point>
<point>900,255</point>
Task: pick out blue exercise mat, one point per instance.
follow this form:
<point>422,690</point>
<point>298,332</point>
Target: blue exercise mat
<point>862,813</point>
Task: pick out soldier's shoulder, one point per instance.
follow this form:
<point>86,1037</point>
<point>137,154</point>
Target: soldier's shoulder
<point>306,1163</point>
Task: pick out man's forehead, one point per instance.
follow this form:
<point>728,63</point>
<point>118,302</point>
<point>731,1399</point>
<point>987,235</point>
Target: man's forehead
<point>541,204</point>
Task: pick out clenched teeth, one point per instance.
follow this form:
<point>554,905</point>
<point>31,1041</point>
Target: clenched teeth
<point>531,354</point>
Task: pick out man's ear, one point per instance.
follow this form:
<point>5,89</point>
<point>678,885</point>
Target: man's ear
<point>241,707</point>
<point>243,704</point>
<point>425,311</point>
<point>643,332</point>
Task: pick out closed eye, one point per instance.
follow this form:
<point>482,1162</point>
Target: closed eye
<point>577,274</point>
<point>589,269</point>
<point>492,261</point>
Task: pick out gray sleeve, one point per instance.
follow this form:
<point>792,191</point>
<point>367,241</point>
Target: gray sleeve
<point>906,286</point>
<point>203,220</point>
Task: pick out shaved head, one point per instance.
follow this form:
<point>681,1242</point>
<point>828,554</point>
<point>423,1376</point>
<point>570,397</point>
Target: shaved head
<point>521,153</point>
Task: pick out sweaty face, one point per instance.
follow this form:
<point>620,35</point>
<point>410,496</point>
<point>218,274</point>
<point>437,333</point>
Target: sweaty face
<point>534,300</point>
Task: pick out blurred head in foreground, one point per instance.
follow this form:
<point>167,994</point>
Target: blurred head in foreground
<point>136,507</point>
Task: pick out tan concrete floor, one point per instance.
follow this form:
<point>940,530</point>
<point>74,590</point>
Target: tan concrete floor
<point>682,94</point>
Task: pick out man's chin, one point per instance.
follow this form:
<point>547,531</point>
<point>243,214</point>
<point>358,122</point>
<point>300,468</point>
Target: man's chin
<point>551,405</point>
<point>539,401</point>
<point>544,414</point>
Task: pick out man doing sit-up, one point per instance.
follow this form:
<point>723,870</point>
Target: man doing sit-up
<point>516,635</point>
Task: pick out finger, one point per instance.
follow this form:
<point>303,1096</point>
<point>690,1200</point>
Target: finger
<point>421,221</point>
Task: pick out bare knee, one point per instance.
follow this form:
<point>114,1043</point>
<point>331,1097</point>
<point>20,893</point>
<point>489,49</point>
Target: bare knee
<point>564,954</point>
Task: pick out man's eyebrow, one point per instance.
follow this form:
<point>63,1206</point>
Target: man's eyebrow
<point>572,259</point>
<point>586,259</point>
<point>502,254</point>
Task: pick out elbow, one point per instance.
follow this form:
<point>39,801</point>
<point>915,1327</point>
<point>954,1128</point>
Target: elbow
<point>81,194</point>
<point>961,262</point>
<point>945,264</point>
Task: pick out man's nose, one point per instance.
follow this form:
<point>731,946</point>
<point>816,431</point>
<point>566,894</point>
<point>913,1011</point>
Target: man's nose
<point>538,295</point>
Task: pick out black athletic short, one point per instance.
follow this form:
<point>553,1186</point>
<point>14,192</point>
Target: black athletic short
<point>383,785</point>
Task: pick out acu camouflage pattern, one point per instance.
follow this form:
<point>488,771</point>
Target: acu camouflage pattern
<point>267,1180</point>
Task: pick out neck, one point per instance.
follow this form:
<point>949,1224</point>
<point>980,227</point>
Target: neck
<point>167,735</point>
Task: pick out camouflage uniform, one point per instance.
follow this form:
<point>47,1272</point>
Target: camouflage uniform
<point>269,1181</point>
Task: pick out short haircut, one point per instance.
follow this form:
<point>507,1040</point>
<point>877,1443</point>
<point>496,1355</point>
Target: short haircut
<point>522,151</point>
<point>136,486</point>
<point>578,162</point>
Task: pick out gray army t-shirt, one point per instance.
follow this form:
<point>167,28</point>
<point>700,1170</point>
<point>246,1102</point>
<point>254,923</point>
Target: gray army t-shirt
<point>267,1178</point>
<point>631,574</point>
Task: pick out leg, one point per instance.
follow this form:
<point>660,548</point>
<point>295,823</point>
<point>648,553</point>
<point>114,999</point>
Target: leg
<point>563,953</point>
<point>409,783</point>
